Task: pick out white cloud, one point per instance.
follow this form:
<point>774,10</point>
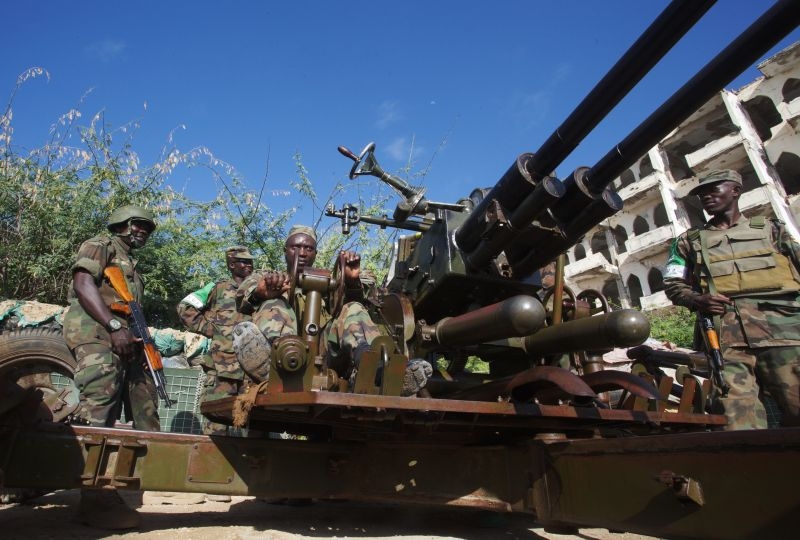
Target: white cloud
<point>106,50</point>
<point>388,114</point>
<point>528,109</point>
<point>398,149</point>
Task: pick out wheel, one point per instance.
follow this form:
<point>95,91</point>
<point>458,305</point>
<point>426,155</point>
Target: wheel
<point>596,300</point>
<point>568,305</point>
<point>36,372</point>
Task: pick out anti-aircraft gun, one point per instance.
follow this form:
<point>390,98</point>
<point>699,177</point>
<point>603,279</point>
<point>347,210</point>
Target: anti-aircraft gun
<point>440,300</point>
<point>527,437</point>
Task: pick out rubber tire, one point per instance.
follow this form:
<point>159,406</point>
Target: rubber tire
<point>28,357</point>
<point>41,345</point>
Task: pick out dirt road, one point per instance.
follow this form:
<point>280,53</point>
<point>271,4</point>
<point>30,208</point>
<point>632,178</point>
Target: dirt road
<point>52,517</point>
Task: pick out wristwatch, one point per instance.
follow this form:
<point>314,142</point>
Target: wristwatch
<point>114,325</point>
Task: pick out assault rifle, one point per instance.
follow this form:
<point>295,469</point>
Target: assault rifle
<point>133,309</point>
<point>715,361</point>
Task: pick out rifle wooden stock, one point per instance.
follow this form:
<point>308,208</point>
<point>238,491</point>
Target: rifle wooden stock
<point>133,310</point>
<point>117,279</point>
<point>715,361</point>
<point>120,309</point>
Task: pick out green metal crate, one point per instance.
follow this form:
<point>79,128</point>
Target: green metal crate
<point>184,387</point>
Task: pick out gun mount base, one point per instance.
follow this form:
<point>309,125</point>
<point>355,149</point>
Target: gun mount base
<point>672,486</point>
<point>345,416</point>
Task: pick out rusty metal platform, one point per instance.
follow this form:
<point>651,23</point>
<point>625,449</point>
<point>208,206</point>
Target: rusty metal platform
<point>368,416</point>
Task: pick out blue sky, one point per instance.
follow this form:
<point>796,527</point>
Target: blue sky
<point>470,84</point>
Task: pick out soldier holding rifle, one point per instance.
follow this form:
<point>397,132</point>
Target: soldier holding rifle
<point>745,274</point>
<point>110,370</point>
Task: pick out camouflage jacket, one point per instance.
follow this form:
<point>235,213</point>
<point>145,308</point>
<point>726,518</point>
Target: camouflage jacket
<point>246,304</point>
<point>94,256</point>
<point>754,320</point>
<point>216,321</point>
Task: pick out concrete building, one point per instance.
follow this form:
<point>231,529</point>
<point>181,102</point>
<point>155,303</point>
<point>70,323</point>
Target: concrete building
<point>753,130</point>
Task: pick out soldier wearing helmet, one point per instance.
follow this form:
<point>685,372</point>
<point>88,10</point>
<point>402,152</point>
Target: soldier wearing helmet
<point>211,311</point>
<point>121,219</point>
<point>109,371</point>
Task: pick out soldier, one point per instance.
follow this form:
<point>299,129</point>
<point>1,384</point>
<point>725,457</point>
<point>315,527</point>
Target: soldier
<point>744,272</point>
<point>109,356</point>
<point>345,335</point>
<point>211,311</point>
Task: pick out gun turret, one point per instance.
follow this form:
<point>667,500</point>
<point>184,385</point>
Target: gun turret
<point>466,261</point>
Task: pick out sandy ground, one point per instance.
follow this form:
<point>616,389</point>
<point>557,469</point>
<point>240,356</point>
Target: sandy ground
<point>53,516</point>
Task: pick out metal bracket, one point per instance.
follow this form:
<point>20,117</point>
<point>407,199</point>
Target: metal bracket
<point>111,462</point>
<point>685,488</point>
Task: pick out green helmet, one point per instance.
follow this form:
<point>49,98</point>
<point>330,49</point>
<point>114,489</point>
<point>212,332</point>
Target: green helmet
<point>130,211</point>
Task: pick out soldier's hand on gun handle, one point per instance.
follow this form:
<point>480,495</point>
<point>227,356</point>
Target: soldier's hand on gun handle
<point>711,304</point>
<point>352,267</point>
<point>272,285</point>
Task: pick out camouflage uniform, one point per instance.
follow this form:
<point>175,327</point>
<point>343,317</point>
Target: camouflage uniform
<point>759,334</point>
<point>215,320</point>
<point>106,382</point>
<point>342,335</point>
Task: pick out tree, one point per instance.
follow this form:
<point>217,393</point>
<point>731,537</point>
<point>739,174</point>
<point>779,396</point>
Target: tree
<point>59,195</point>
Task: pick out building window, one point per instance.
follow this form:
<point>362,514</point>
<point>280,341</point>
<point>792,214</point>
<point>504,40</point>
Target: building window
<point>788,167</point>
<point>580,252</point>
<point>635,290</point>
<point>677,165</point>
<point>660,215</point>
<point>764,115</point>
<point>600,245</point>
<point>611,292</point>
<point>655,280</point>
<point>640,226</point>
<point>620,236</point>
<point>791,90</point>
<point>645,166</point>
<point>627,178</point>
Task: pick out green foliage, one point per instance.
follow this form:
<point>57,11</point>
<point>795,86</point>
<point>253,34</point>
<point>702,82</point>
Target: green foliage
<point>57,196</point>
<point>476,365</point>
<point>674,324</point>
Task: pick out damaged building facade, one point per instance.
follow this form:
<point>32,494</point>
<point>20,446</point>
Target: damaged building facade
<point>753,130</point>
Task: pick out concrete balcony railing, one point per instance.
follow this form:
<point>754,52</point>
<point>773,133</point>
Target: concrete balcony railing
<point>654,301</point>
<point>650,242</point>
<point>638,190</point>
<point>715,148</point>
<point>755,198</point>
<point>596,263</point>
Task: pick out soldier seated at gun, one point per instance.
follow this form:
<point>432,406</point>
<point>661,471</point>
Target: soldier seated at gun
<point>345,336</point>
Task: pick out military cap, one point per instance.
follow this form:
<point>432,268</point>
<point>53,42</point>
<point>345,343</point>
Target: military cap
<point>713,177</point>
<point>302,229</point>
<point>238,252</point>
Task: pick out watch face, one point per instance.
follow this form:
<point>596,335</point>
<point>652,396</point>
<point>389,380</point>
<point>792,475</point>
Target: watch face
<point>114,324</point>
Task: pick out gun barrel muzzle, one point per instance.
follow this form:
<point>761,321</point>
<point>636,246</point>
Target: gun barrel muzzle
<point>514,317</point>
<point>624,328</point>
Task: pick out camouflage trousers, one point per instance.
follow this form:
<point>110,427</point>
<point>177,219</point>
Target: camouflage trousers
<point>751,372</point>
<point>341,335</point>
<point>107,384</point>
<point>218,388</point>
